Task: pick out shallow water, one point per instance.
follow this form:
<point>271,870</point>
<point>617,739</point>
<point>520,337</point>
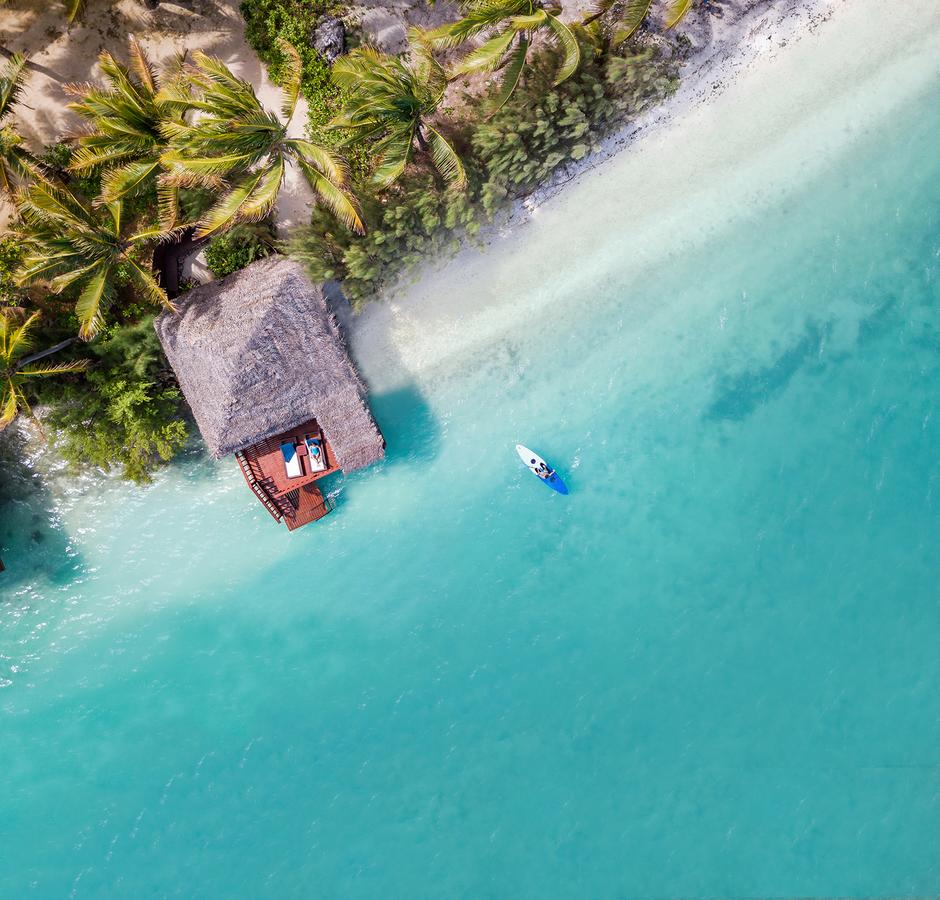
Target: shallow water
<point>710,670</point>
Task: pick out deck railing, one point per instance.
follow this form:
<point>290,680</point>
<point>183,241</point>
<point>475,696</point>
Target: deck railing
<point>267,501</point>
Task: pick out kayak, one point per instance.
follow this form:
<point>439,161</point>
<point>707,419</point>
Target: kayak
<point>537,466</point>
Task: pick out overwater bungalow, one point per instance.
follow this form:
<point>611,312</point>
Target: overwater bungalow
<point>263,366</point>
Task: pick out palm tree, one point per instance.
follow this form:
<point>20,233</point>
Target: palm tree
<point>515,23</point>
<point>17,164</point>
<point>16,368</point>
<point>391,98</point>
<point>71,243</point>
<point>633,12</point>
<point>235,145</point>
<point>124,120</point>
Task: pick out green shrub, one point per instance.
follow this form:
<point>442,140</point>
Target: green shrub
<point>235,249</point>
<point>126,412</point>
<point>542,128</point>
<point>411,221</point>
<point>292,20</point>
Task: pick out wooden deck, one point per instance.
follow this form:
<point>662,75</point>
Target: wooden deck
<point>266,458</point>
<point>295,501</point>
<point>309,504</point>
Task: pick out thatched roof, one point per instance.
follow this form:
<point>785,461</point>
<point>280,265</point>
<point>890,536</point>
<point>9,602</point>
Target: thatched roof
<point>258,353</point>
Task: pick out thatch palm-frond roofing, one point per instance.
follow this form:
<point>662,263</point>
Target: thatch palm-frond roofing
<point>258,353</point>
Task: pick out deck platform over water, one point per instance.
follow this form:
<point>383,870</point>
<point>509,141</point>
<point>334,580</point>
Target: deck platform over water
<point>294,500</point>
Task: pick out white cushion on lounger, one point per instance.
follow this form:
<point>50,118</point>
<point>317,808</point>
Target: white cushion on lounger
<point>291,460</point>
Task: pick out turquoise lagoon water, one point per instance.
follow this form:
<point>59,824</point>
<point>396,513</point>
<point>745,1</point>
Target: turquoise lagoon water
<point>711,670</point>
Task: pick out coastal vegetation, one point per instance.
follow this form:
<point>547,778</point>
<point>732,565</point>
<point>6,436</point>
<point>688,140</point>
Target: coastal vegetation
<point>239,151</point>
<point>238,247</point>
<point>405,154</point>
<point>390,101</point>
<point>17,164</point>
<point>17,369</point>
<point>125,414</point>
<point>517,24</point>
<point>540,128</point>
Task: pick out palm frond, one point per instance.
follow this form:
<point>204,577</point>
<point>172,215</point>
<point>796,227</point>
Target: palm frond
<point>446,160</point>
<point>394,153</point>
<point>291,74</point>
<point>338,200</point>
<point>529,22</point>
<point>634,13</point>
<point>427,70</point>
<point>159,234</point>
<point>225,211</point>
<point>479,15</point>
<point>16,341</point>
<point>261,201</point>
<point>12,82</point>
<point>168,203</point>
<point>488,56</point>
<point>9,404</point>
<point>511,74</point>
<point>89,305</point>
<point>598,9</point>
<point>120,182</point>
<point>76,365</point>
<point>141,65</point>
<point>569,45</point>
<point>61,282</point>
<point>321,159</point>
<point>73,9</point>
<point>676,11</point>
<point>148,285</point>
<point>207,165</point>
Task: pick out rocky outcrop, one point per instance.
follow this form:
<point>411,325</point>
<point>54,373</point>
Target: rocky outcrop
<point>329,38</point>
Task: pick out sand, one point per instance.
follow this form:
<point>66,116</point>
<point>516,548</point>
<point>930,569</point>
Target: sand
<point>779,95</point>
<point>60,55</point>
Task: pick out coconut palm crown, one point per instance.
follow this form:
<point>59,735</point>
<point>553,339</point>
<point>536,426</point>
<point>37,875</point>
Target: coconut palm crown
<point>71,243</point>
<point>515,23</point>
<point>17,164</point>
<point>391,98</point>
<point>235,146</point>
<point>633,13</point>
<point>123,135</point>
<point>16,370</point>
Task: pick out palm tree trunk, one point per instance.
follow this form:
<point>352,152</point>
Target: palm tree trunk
<point>41,354</point>
<point>422,140</point>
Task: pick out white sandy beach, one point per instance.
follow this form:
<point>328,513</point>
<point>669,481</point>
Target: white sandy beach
<point>751,122</point>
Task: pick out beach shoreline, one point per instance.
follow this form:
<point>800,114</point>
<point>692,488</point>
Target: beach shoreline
<point>714,123</point>
<point>755,36</point>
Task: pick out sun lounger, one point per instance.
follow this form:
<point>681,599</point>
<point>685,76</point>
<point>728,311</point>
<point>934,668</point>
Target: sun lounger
<point>291,460</point>
<point>316,458</point>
